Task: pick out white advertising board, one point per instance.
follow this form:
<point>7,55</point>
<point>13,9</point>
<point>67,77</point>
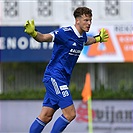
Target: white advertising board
<point>109,116</point>
<point>118,48</point>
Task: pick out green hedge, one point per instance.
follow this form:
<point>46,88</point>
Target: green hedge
<point>27,94</point>
<point>112,94</point>
<point>101,93</point>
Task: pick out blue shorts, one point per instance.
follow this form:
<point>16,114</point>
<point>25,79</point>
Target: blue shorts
<point>57,94</point>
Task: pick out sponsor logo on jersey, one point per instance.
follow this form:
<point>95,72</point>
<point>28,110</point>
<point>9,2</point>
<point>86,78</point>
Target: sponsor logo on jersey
<point>74,52</point>
<point>63,87</point>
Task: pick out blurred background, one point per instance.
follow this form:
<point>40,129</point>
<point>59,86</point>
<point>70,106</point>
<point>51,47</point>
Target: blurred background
<point>110,64</point>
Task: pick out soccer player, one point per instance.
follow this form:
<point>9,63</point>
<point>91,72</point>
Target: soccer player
<point>68,44</point>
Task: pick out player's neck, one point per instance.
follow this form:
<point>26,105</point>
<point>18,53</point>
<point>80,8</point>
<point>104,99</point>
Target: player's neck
<point>79,29</point>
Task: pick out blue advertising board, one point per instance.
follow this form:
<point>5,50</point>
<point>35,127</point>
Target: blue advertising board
<point>17,46</point>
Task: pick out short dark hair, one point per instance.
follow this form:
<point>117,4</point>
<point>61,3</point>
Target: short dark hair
<point>82,10</point>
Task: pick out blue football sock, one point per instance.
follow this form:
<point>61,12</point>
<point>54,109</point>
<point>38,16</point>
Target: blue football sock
<point>37,126</point>
<point>60,124</point>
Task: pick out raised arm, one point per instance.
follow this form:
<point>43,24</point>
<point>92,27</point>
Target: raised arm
<point>102,37</point>
<point>30,29</point>
<point>43,37</point>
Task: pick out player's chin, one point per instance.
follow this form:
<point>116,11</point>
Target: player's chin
<point>87,29</point>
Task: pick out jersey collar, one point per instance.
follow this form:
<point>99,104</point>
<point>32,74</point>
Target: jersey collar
<point>76,31</point>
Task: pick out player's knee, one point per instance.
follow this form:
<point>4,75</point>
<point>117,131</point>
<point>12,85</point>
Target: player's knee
<point>45,118</point>
<point>73,115</point>
<point>48,118</point>
<point>70,116</point>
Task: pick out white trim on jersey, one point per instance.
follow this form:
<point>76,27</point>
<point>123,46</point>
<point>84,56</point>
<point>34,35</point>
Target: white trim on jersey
<point>54,83</point>
<point>76,31</point>
<point>51,33</point>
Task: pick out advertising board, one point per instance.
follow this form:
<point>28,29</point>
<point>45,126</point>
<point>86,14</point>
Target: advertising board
<point>118,48</point>
<point>17,46</point>
<point>109,116</point>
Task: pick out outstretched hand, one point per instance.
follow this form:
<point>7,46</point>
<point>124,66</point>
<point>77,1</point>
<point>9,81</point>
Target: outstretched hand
<point>102,37</point>
<point>30,28</point>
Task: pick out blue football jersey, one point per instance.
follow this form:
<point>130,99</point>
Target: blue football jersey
<point>66,50</point>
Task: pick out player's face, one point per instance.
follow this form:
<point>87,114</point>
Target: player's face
<point>84,23</point>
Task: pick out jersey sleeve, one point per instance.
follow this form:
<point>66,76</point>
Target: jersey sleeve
<point>59,36</point>
<point>52,33</point>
